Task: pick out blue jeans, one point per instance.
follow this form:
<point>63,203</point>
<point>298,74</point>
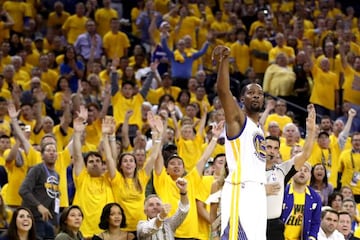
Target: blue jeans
<point>44,230</point>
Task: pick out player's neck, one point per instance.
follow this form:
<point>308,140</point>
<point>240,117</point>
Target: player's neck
<point>254,116</point>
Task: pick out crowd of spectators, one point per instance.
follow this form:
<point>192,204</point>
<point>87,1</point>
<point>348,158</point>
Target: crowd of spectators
<point>106,102</point>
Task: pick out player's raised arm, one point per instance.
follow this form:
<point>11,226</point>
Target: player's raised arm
<point>234,116</point>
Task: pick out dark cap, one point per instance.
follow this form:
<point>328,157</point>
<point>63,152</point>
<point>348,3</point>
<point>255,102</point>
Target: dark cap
<point>172,156</point>
<point>169,146</point>
<point>38,38</point>
<point>323,133</point>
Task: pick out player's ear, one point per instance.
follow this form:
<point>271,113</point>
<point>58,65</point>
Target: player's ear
<point>242,99</point>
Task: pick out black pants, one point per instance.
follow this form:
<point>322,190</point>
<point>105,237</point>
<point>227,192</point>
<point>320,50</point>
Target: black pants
<point>275,229</point>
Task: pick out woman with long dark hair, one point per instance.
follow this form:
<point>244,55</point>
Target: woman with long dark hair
<point>319,182</point>
<point>72,68</point>
<point>111,221</point>
<point>21,227</point>
<point>70,222</point>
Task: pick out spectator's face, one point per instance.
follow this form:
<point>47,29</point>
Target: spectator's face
<point>319,172</point>
<point>357,64</point>
<point>94,166</point>
<point>91,27</point>
<point>128,165</point>
<point>44,61</point>
<point>80,9</point>
<point>344,225</point>
<point>280,108</point>
<point>336,203</point>
<point>323,141</point>
<point>181,45</point>
<point>349,207</point>
<point>49,154</point>
<point>26,112</point>
<point>290,132</point>
<point>219,164</point>
<point>356,142</point>
<point>152,207</point>
<point>115,25</point>
<point>347,193</point>
<point>325,124</point>
<point>190,111</point>
<point>329,222</point>
<point>140,156</point>
<point>4,144</point>
<point>175,168</point>
<point>23,221</point>
<point>200,93</point>
<point>74,219</point>
<point>48,125</point>
<point>302,176</point>
<point>127,90</point>
<point>115,217</point>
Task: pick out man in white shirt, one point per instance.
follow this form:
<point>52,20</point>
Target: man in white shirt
<point>329,223</point>
<point>158,225</point>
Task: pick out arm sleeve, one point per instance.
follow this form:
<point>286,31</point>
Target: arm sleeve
<point>202,51</point>
<point>146,228</point>
<point>177,219</point>
<point>26,188</point>
<point>316,218</point>
<point>114,83</point>
<point>146,86</point>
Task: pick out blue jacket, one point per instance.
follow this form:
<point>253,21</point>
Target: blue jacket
<point>182,70</point>
<point>312,211</point>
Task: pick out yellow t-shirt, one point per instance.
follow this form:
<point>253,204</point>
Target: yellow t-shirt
<point>264,46</point>
<point>241,54</point>
<point>50,78</point>
<point>173,91</point>
<point>324,80</point>
<point>103,18</point>
<point>93,132</point>
<point>115,44</point>
<point>329,158</point>
<point>130,199</point>
<point>351,85</point>
<point>349,170</point>
<point>293,226</point>
<point>16,175</point>
<point>92,194</point>
<point>281,120</point>
<point>167,190</point>
<point>190,151</point>
<point>55,20</point>
<point>289,52</point>
<point>122,105</point>
<point>62,140</point>
<point>188,26</point>
<point>285,150</point>
<point>74,26</point>
<point>4,32</point>
<point>202,195</point>
<point>162,6</point>
<point>254,26</point>
<point>279,81</point>
<point>17,10</point>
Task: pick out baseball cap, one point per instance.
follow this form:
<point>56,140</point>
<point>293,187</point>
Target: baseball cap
<point>323,133</point>
<point>169,146</point>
